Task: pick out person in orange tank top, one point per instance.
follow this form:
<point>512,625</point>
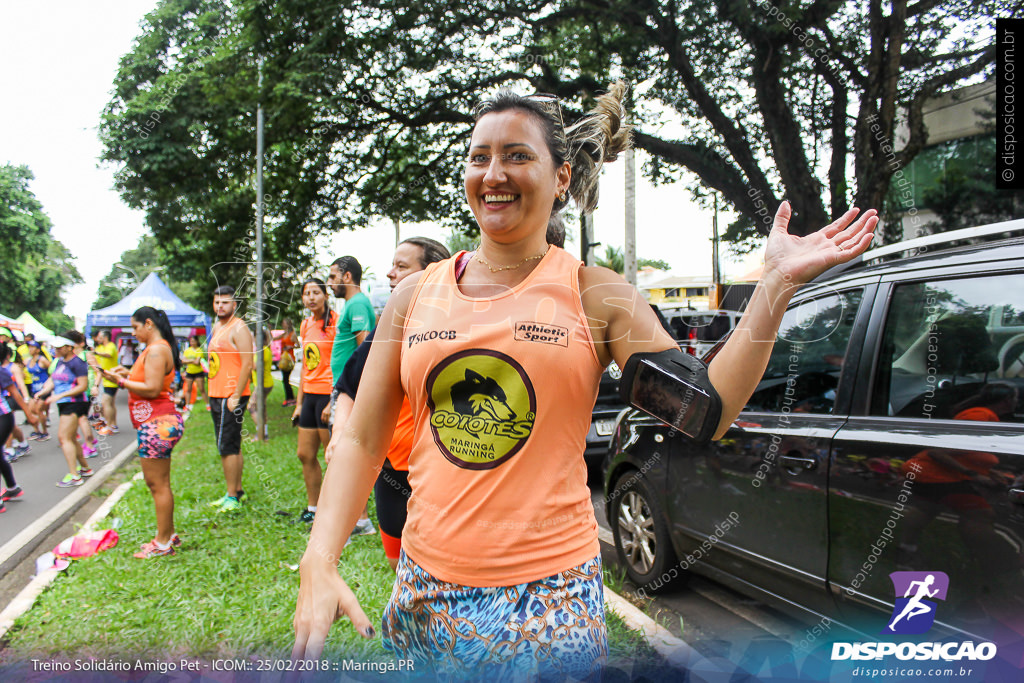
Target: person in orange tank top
<point>487,347</point>
<point>391,492</point>
<point>155,417</point>
<point>317,334</point>
<point>231,361</point>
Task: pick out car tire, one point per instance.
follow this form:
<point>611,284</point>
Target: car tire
<point>641,535</point>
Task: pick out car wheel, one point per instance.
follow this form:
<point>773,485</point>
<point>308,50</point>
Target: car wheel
<point>641,534</point>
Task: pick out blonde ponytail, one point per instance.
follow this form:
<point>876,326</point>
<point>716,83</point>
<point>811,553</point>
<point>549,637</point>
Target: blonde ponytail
<point>593,140</point>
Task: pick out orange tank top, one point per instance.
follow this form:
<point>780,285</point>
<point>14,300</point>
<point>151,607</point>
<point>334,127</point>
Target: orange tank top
<point>316,354</point>
<point>401,438</point>
<point>145,409</point>
<point>226,363</point>
<point>501,391</point>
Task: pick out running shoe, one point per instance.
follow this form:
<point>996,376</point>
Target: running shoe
<point>231,504</point>
<point>89,451</point>
<point>34,436</point>
<point>85,471</point>
<point>364,527</point>
<point>151,550</point>
<point>105,431</point>
<point>9,455</point>
<point>43,437</point>
<point>22,451</point>
<point>3,508</point>
<point>176,541</point>
<point>11,493</point>
<point>307,516</point>
<point>68,481</point>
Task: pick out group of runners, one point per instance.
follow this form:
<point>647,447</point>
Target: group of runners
<point>34,376</point>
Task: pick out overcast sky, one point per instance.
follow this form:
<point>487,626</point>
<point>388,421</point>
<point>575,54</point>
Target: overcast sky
<point>60,59</point>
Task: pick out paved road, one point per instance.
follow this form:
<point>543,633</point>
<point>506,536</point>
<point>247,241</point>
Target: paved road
<point>38,472</point>
<point>715,620</point>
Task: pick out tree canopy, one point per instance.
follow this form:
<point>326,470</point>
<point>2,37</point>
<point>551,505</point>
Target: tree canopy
<point>35,267</point>
<point>615,259</point>
<point>368,105</point>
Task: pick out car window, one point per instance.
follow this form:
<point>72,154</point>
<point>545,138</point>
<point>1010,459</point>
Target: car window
<point>705,328</point>
<point>804,368</point>
<point>953,349</point>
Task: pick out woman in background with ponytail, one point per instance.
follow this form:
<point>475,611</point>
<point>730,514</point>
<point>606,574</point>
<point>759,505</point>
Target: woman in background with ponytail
<point>315,384</point>
<point>154,415</point>
<point>501,538</point>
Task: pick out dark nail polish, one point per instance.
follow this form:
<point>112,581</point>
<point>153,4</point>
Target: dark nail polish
<point>370,633</point>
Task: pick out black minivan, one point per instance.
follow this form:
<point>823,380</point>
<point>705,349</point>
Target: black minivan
<point>886,435</point>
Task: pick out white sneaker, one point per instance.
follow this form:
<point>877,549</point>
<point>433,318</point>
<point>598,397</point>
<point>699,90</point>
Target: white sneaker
<point>364,527</point>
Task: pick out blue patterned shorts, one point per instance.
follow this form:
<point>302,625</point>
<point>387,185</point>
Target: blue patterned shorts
<point>551,629</point>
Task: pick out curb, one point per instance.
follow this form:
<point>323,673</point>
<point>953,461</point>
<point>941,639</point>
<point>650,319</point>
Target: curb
<point>22,545</point>
<point>24,600</point>
<point>676,652</point>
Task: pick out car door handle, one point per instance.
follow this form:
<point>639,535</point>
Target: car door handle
<point>794,461</point>
<point>1017,495</point>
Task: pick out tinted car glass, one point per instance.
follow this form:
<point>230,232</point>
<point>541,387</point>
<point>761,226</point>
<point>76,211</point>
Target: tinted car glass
<point>803,372</point>
<point>953,349</point>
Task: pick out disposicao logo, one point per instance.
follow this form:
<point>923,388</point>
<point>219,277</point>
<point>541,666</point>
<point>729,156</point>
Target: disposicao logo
<point>914,613</point>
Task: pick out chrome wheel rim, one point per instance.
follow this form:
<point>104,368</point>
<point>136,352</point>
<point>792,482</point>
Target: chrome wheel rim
<point>636,532</point>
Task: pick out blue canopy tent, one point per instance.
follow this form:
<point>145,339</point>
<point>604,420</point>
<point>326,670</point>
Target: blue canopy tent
<point>152,292</point>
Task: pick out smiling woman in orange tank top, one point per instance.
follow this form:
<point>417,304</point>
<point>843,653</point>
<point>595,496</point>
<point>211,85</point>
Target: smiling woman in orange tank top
<point>500,353</point>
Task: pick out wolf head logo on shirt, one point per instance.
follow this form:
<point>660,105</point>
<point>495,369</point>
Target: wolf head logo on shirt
<point>482,408</point>
<point>479,395</point>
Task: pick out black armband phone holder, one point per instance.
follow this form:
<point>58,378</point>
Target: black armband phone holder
<point>674,388</point>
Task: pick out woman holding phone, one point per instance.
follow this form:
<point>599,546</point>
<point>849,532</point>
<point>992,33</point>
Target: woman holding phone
<point>155,417</point>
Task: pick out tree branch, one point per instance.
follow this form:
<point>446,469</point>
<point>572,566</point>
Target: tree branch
<point>714,170</point>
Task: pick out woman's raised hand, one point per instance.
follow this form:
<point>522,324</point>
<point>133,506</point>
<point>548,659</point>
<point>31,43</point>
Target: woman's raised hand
<point>800,259</point>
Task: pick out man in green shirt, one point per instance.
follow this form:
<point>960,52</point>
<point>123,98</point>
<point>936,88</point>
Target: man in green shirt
<point>357,318</point>
<point>356,321</point>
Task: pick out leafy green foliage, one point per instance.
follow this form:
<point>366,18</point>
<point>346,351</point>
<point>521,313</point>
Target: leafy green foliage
<point>368,105</point>
<point>35,268</point>
<point>614,259</point>
<point>965,194</point>
<point>459,241</point>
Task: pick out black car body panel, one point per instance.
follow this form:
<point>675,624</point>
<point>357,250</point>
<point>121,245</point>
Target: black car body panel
<point>873,451</point>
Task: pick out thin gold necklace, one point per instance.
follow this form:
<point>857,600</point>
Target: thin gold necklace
<point>491,268</point>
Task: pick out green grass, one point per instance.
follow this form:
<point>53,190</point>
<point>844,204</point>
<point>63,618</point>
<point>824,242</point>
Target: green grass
<point>231,589</point>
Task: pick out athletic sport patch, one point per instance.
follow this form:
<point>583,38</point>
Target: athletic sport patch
<point>539,332</point>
